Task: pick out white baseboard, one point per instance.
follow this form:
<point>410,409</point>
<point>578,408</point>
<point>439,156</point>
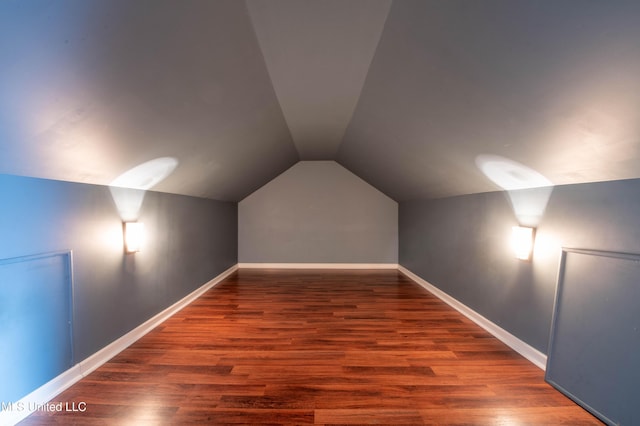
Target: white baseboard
<point>117,346</point>
<point>529,352</point>
<point>318,265</point>
<point>45,393</point>
<point>19,410</point>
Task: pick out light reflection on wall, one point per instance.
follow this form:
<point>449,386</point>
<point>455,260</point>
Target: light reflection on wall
<point>528,190</point>
<point>547,246</point>
<point>129,188</point>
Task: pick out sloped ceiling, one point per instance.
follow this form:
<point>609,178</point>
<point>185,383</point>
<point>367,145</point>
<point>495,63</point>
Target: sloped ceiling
<point>406,94</point>
<point>318,54</point>
<point>93,88</point>
<point>554,85</point>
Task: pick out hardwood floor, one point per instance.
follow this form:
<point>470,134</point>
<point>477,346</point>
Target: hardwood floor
<point>317,347</point>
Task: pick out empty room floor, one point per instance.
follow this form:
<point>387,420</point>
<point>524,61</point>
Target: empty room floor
<point>317,347</point>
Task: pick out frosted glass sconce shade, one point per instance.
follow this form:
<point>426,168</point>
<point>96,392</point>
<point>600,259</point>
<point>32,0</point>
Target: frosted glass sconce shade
<point>133,236</point>
<point>522,242</point>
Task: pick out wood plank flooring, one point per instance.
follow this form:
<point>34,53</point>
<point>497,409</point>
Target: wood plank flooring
<point>317,347</point>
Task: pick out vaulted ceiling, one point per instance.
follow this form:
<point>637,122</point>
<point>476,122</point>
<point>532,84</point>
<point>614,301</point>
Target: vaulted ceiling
<point>405,94</point>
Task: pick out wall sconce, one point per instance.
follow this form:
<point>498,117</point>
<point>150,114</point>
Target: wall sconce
<point>522,242</point>
<point>133,236</point>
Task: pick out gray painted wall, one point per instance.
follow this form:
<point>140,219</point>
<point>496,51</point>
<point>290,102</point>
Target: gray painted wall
<point>318,211</point>
<point>460,245</point>
<point>190,241</point>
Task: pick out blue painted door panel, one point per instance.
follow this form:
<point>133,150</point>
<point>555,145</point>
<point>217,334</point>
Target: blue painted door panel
<point>35,322</point>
